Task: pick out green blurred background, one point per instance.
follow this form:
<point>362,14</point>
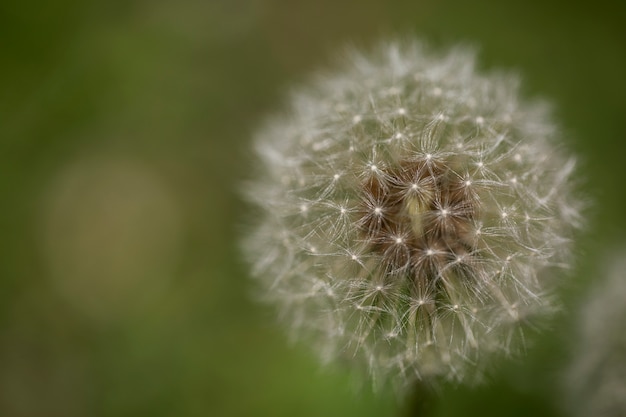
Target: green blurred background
<point>124,134</point>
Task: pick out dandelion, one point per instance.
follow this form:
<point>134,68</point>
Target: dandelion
<point>411,213</point>
<point>596,378</point>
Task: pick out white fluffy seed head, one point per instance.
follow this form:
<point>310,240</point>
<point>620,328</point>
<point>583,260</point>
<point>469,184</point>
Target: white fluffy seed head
<point>595,382</point>
<point>438,258</point>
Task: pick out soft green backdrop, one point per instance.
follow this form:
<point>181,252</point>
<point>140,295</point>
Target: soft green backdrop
<point>124,132</point>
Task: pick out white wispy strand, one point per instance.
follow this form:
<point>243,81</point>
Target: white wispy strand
<point>412,212</point>
<point>596,378</point>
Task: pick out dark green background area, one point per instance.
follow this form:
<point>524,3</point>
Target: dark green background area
<point>124,136</point>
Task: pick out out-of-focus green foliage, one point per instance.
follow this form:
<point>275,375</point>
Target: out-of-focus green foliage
<point>124,129</point>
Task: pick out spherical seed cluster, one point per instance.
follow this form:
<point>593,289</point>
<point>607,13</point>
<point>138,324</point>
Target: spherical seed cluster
<point>596,378</point>
<point>410,210</point>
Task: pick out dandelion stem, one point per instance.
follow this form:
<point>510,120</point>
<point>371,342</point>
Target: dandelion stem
<point>422,401</point>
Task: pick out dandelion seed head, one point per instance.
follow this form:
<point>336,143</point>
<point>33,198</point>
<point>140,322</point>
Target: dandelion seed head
<point>430,250</point>
<point>595,380</point>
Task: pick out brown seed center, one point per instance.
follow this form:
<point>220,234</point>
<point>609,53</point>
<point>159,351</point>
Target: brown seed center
<point>418,213</point>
